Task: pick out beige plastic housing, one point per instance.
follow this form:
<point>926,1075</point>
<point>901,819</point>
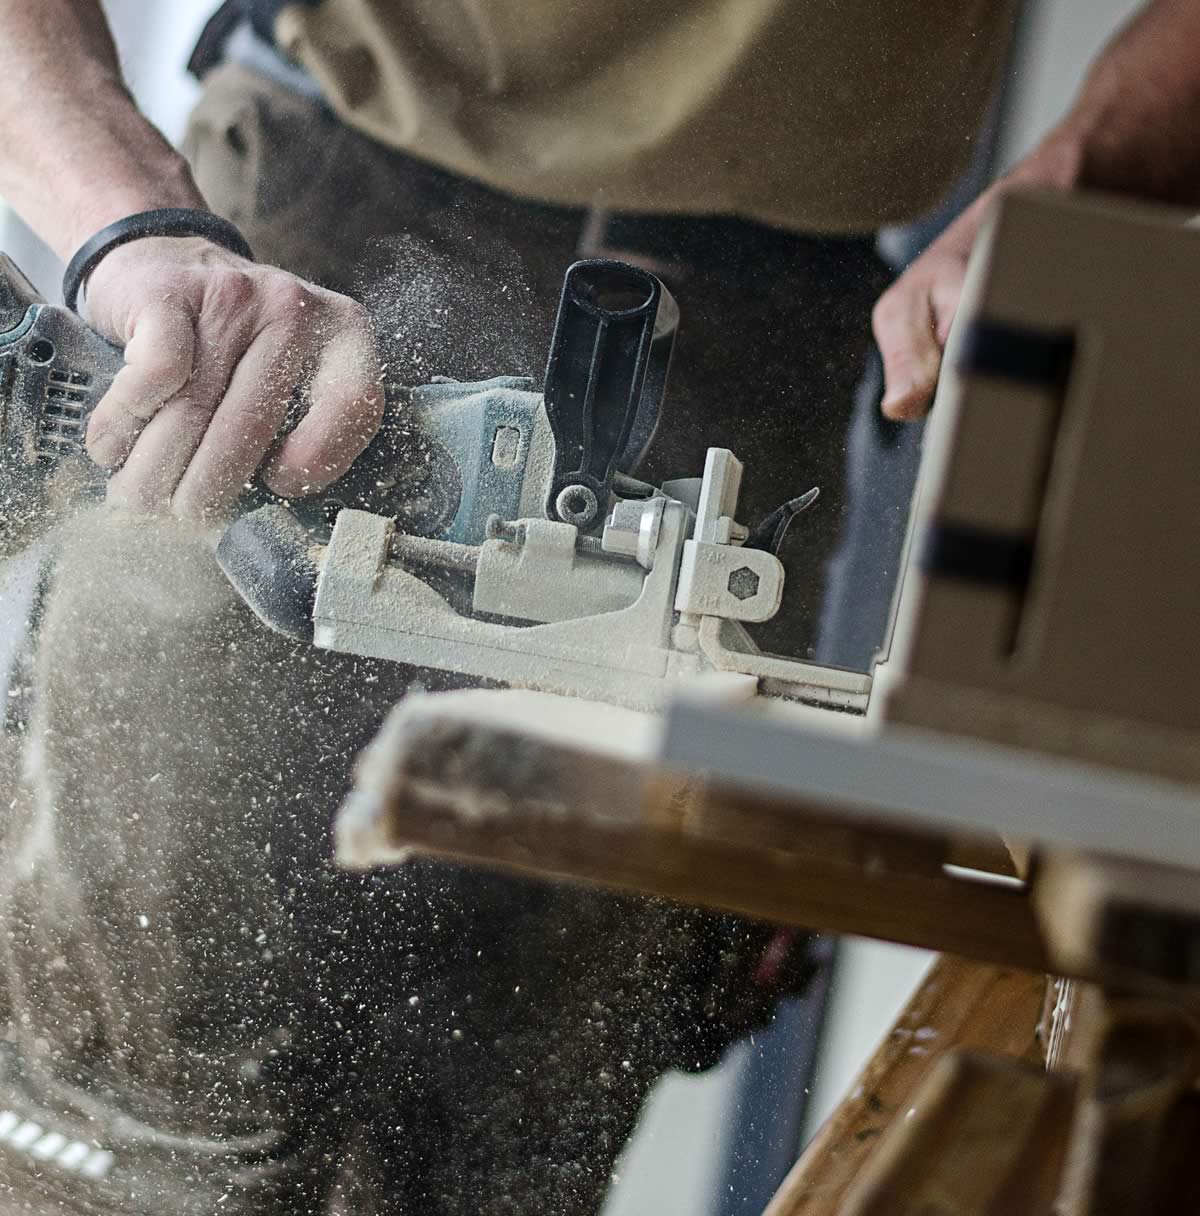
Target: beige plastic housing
<point>1094,476</point>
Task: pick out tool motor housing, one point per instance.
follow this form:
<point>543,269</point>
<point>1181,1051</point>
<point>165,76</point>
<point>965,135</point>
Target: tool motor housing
<point>53,372</point>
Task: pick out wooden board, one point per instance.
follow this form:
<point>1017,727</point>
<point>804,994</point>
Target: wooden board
<point>959,1004</point>
<point>985,1136</point>
<point>440,779</point>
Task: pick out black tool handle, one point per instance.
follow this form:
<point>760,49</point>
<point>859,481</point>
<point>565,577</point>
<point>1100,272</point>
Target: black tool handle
<point>605,380</point>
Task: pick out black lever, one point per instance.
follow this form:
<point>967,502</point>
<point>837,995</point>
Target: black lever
<point>605,381</point>
<point>769,532</point>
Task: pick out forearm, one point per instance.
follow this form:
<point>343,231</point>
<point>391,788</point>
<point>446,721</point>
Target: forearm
<point>75,153</point>
<point>1135,128</point>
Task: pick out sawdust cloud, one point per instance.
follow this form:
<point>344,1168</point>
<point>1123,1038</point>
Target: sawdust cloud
<point>439,314</point>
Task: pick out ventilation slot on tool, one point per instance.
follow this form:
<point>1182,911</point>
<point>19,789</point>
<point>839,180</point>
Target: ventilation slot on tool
<point>62,423</point>
<point>82,379</point>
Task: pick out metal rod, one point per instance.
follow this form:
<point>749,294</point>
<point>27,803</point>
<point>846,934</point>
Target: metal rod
<point>437,554</point>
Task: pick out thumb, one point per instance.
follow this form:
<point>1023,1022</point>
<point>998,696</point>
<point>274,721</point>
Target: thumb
<point>158,364</point>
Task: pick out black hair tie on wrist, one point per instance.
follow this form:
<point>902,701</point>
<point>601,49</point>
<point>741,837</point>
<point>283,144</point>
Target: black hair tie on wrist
<point>171,221</point>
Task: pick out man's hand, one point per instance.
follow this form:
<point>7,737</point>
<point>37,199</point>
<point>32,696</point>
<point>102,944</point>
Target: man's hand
<point>216,347</point>
<point>1134,130</point>
<point>216,350</point>
<point>912,318</point>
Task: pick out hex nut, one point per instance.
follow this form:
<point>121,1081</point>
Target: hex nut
<point>743,583</point>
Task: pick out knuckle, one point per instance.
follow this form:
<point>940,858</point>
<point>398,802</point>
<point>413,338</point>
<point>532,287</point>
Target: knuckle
<point>290,298</point>
<point>891,305</point>
<point>119,407</point>
<point>129,410</point>
<point>229,291</point>
<point>357,402</point>
<point>349,316</point>
<point>169,366</point>
<point>355,314</point>
<point>908,409</point>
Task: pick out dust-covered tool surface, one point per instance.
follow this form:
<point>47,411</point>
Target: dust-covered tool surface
<point>534,559</point>
<point>490,529</point>
<point>1055,743</point>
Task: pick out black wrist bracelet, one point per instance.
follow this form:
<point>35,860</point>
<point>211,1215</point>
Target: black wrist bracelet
<point>172,221</point>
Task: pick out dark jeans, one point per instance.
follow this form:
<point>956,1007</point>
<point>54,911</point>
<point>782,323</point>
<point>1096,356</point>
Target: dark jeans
<point>225,1022</point>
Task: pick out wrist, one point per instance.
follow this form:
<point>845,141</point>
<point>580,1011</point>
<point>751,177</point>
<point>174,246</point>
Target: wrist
<point>83,166</point>
<point>167,184</point>
<point>175,222</point>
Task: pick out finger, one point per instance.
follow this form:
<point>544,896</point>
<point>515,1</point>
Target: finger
<point>345,412</point>
<point>157,461</point>
<point>248,418</point>
<point>158,364</point>
<point>917,333</point>
<point>906,334</point>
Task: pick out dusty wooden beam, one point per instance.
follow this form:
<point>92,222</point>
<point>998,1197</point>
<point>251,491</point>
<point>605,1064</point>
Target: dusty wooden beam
<point>499,796</point>
<point>959,1004</point>
<point>985,1136</point>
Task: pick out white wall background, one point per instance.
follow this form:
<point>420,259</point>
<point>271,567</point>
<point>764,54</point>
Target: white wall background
<point>155,40</point>
<point>1062,37</point>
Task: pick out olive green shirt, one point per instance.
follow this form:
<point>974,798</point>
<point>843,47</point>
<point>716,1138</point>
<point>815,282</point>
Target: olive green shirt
<point>819,115</point>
